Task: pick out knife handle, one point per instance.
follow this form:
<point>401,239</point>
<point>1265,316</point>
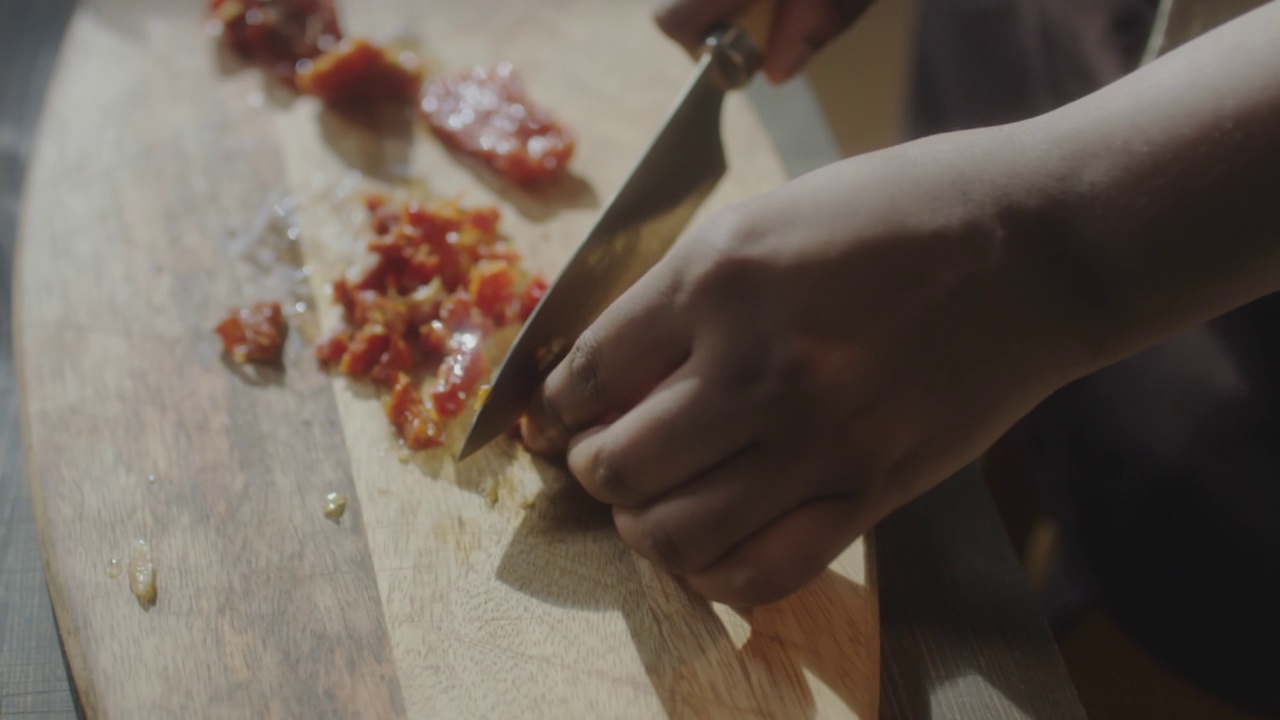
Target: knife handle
<point>756,20</point>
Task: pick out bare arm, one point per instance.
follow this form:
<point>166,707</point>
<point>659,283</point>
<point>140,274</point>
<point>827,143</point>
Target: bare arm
<point>809,361</point>
<point>1167,187</point>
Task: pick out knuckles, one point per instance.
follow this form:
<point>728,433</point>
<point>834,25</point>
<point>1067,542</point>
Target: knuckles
<point>583,365</point>
<point>657,540</point>
<point>607,480</point>
<point>729,261</point>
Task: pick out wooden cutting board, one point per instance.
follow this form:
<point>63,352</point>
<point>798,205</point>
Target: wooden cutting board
<point>161,172</point>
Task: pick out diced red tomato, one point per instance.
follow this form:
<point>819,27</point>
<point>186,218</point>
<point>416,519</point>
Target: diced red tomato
<point>493,289</point>
<point>414,421</point>
<point>330,350</point>
<point>485,112</point>
<point>276,34</point>
<point>433,339</point>
<point>358,71</point>
<point>435,282</point>
<point>254,334</point>
<point>396,359</point>
<point>456,313</point>
<point>365,351</point>
<point>532,295</point>
<point>459,376</point>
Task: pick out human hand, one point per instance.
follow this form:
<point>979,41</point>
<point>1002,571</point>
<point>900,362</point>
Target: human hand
<point>800,29</point>
<point>800,365</point>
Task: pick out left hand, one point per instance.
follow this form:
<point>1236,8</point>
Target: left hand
<point>802,364</point>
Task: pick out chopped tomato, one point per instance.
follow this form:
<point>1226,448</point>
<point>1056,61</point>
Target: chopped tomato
<point>532,295</point>
<point>276,34</point>
<point>459,376</point>
<point>433,338</point>
<point>436,281</point>
<point>493,288</point>
<point>396,359</point>
<point>485,112</point>
<point>357,71</point>
<point>423,304</point>
<point>414,421</point>
<point>254,334</point>
<point>388,311</point>
<point>500,250</point>
<point>343,296</point>
<point>365,351</point>
<point>330,350</point>
<point>485,220</point>
<point>459,313</point>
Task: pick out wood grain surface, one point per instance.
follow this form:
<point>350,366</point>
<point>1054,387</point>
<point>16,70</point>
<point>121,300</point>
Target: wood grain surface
<point>943,562</point>
<point>155,157</point>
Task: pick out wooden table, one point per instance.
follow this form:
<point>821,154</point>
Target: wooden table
<point>961,636</point>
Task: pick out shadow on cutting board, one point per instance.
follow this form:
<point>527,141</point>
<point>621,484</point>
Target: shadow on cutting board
<point>376,139</point>
<point>538,203</point>
<point>697,665</point>
<point>255,374</point>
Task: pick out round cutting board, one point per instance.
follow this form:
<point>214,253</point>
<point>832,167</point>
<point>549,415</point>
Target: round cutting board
<point>495,588</point>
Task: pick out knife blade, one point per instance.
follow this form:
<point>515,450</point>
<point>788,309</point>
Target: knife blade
<point>677,172</point>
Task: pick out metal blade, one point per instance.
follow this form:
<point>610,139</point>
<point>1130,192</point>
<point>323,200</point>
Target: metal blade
<point>675,175</point>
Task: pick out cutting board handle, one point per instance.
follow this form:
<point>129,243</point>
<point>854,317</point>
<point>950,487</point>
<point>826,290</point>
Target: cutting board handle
<point>756,20</point>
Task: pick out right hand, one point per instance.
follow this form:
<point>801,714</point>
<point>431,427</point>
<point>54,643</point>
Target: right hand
<point>800,29</point>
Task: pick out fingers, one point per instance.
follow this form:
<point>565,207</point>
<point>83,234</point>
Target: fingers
<point>628,350</point>
<point>689,21</point>
<point>787,554</point>
<point>690,529</point>
<point>802,28</point>
<point>689,424</point>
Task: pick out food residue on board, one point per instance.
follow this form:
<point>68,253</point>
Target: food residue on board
<point>276,34</point>
<point>142,573</point>
<point>335,506</point>
<point>358,71</point>
<point>435,282</point>
<point>115,568</point>
<point>266,255</point>
<point>254,334</point>
<point>485,112</point>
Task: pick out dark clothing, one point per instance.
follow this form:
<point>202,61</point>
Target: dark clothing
<point>1164,469</point>
<point>986,62</point>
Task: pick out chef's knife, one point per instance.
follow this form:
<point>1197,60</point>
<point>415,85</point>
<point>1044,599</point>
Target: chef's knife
<point>680,168</point>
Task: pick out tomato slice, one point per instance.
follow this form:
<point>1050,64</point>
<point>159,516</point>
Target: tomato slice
<point>486,113</point>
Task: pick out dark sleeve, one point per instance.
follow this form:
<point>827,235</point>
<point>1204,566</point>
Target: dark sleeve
<point>1164,469</point>
<point>986,62</point>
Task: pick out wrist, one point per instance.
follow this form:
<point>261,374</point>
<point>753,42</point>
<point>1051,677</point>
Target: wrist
<point>1066,252</point>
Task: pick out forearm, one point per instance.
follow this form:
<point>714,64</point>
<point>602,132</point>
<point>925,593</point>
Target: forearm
<point>1163,189</point>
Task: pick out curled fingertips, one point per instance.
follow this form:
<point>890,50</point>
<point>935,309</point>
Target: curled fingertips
<point>785,555</point>
<point>541,431</point>
<point>635,343</point>
<point>686,426</point>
